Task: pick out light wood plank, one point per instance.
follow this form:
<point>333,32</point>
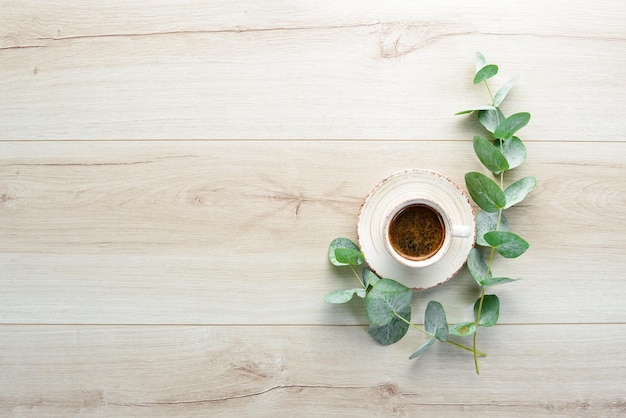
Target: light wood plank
<point>306,371</point>
<point>236,232</point>
<point>188,70</point>
<point>185,278</point>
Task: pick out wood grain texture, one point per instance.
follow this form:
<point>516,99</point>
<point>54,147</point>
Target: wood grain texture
<point>306,371</point>
<point>171,174</point>
<point>319,71</point>
<point>148,232</point>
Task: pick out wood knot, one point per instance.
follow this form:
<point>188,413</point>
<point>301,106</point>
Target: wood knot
<point>389,390</point>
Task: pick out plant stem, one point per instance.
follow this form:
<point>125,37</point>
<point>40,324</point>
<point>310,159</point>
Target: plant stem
<point>471,350</point>
<point>491,254</point>
<point>412,325</point>
<point>490,96</point>
<point>357,275</point>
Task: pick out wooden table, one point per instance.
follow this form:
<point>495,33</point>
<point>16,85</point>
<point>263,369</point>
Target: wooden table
<point>171,174</point>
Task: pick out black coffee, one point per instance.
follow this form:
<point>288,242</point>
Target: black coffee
<point>417,232</point>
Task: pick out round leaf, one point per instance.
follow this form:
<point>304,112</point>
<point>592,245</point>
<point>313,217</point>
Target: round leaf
<point>476,108</point>
<point>344,295</point>
<point>517,191</point>
<point>507,128</point>
<point>485,73</point>
<point>477,266</point>
<point>369,277</point>
<point>504,90</point>
<point>480,62</point>
<point>485,192</point>
<point>393,331</point>
<point>349,256</point>
<point>340,243</point>
<point>514,151</point>
<point>385,298</point>
<point>489,312</point>
<point>508,244</point>
<point>435,322</point>
<point>487,222</point>
<point>462,329</point>
<point>423,348</point>
<point>489,155</point>
<point>493,281</point>
<point>490,118</point>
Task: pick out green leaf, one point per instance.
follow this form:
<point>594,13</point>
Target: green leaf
<point>435,322</point>
<point>423,348</point>
<point>480,62</point>
<point>478,269</point>
<point>485,73</point>
<point>507,128</point>
<point>489,155</point>
<point>485,192</point>
<point>393,331</point>
<point>487,222</point>
<point>385,298</point>
<point>489,312</point>
<point>477,266</point>
<point>344,295</point>
<point>340,243</point>
<point>369,277</point>
<point>349,256</point>
<point>504,90</point>
<point>514,151</point>
<point>517,191</point>
<point>474,109</point>
<point>490,118</point>
<point>508,244</point>
<point>493,281</point>
<point>462,329</point>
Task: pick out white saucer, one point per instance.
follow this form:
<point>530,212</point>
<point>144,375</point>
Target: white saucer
<point>391,192</point>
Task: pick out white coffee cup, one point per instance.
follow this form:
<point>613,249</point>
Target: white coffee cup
<point>419,232</point>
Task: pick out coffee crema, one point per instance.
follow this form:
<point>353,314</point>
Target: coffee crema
<point>417,232</point>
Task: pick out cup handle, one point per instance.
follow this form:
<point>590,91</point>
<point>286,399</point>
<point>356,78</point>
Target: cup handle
<point>461,231</point>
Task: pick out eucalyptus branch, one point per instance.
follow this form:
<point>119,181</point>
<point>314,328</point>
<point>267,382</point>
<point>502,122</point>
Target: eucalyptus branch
<point>502,153</point>
<point>423,331</point>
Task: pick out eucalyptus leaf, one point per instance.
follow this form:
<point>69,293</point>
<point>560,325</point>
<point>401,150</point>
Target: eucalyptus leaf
<point>508,244</point>
<point>477,266</point>
<point>369,277</point>
<point>340,243</point>
<point>423,348</point>
<point>480,62</point>
<point>435,322</point>
<point>393,331</point>
<point>485,192</point>
<point>509,126</point>
<point>487,222</point>
<point>517,191</point>
<point>485,73</point>
<point>478,269</point>
<point>494,281</point>
<point>474,109</point>
<point>462,329</point>
<point>490,118</point>
<point>514,151</point>
<point>349,256</point>
<point>387,297</point>
<point>504,90</point>
<point>489,155</point>
<point>489,312</point>
<point>344,295</point>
